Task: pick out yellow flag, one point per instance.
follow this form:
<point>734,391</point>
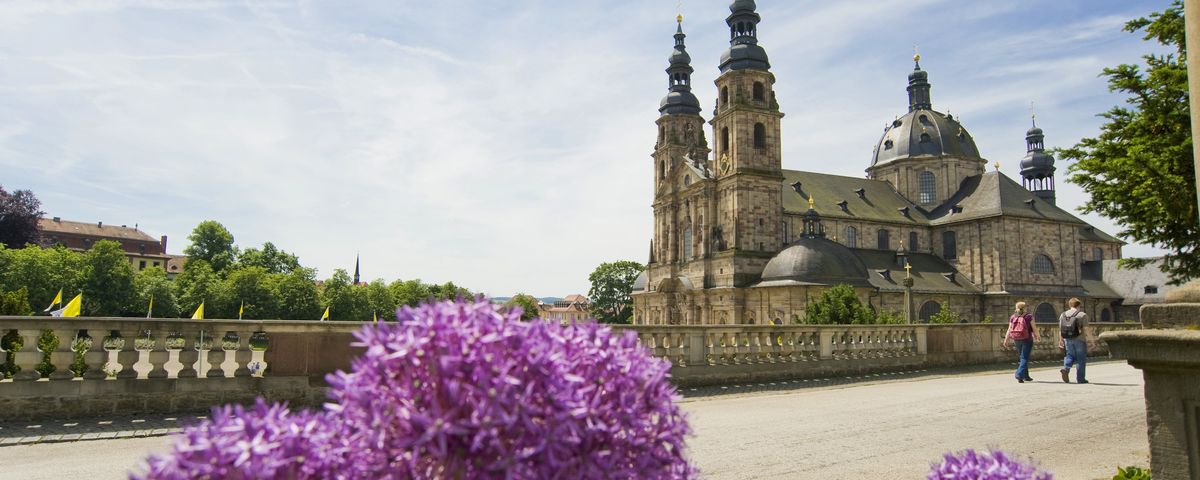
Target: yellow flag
<point>199,314</point>
<point>73,307</point>
<point>57,301</point>
<point>150,309</point>
<point>241,309</point>
<point>374,316</point>
<point>325,316</point>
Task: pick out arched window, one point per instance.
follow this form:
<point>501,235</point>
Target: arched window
<point>928,310</point>
<point>925,138</point>
<point>687,180</point>
<point>687,241</point>
<point>724,96</point>
<point>1042,265</point>
<point>928,185</point>
<point>758,91</point>
<point>949,245</point>
<point>1045,314</point>
<point>887,144</point>
<point>912,242</point>
<point>662,169</point>
<point>1097,253</point>
<point>1105,315</point>
<point>725,140</point>
<point>851,237</point>
<point>760,136</point>
<point>884,241</point>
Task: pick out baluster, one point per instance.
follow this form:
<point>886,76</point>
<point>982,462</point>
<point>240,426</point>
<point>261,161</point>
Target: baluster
<point>79,366</point>
<point>728,348</point>
<point>753,349</point>
<point>174,345</point>
<point>258,349</point>
<point>144,344</point>
<point>710,347</point>
<point>229,345</point>
<point>204,343</point>
<point>113,344</point>
<point>787,347</point>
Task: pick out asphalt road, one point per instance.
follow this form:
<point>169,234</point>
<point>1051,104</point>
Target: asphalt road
<point>871,430</point>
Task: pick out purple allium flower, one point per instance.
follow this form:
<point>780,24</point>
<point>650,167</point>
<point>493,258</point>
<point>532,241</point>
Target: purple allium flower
<point>994,465</point>
<point>461,390</point>
<point>265,441</point>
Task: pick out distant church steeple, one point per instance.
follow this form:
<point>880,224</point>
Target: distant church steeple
<point>918,87</point>
<point>356,269</point>
<point>679,97</point>
<point>1037,168</point>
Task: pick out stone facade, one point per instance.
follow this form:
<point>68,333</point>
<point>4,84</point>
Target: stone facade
<point>721,216</point>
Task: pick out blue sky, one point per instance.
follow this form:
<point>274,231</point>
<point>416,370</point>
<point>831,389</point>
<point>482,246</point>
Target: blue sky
<point>502,145</point>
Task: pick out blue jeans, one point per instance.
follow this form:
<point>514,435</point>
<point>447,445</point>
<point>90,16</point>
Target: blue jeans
<point>1024,348</point>
<point>1076,355</point>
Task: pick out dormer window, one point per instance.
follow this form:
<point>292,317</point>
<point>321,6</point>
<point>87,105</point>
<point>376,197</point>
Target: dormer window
<point>923,119</point>
<point>887,144</point>
<point>925,138</point>
<point>1151,290</point>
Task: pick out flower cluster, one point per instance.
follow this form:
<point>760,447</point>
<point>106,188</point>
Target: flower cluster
<point>462,390</point>
<point>994,465</point>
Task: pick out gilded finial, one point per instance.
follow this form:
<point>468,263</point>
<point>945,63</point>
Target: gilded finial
<point>916,55</point>
<point>997,165</point>
<point>679,18</point>
<point>907,269</point>
<point>810,202</point>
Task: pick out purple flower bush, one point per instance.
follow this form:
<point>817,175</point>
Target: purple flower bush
<point>994,465</point>
<point>460,390</point>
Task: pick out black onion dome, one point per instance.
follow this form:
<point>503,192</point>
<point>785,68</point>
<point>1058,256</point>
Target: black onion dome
<point>815,260</point>
<point>744,53</point>
<point>679,98</point>
<point>742,5</point>
<point>1037,164</point>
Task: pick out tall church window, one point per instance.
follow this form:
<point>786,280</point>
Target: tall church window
<point>1045,314</point>
<point>662,169</point>
<point>928,310</point>
<point>928,186</point>
<point>785,233</point>
<point>1105,315</point>
<point>851,237</point>
<point>912,242</point>
<point>760,136</point>
<point>687,241</point>
<point>1042,264</point>
<point>725,140</point>
<point>884,240</point>
<point>724,96</point>
<point>1097,253</point>
<point>758,91</point>
<point>949,245</point>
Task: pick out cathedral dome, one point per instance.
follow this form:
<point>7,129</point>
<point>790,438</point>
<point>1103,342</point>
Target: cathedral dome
<point>818,261</point>
<point>924,132</point>
<point>679,101</point>
<point>639,283</point>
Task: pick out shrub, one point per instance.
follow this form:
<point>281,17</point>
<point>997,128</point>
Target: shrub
<point>1132,473</point>
<point>47,343</point>
<point>12,342</point>
<point>945,315</point>
<point>890,317</point>
<point>838,305</point>
<point>994,465</point>
<point>461,390</point>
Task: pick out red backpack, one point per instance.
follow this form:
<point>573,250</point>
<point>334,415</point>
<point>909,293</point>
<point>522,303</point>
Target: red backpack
<point>1018,327</point>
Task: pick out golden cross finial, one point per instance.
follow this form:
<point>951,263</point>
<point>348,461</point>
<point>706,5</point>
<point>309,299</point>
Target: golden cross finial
<point>679,11</point>
<point>907,270</point>
<point>916,53</point>
<point>1032,113</point>
<point>810,202</point>
<point>997,165</point>
<point>679,18</point>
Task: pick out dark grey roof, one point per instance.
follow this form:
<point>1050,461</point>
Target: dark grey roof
<point>814,261</point>
<point>1037,163</point>
<point>1131,283</point>
<point>993,194</point>
<point>1098,289</point>
<point>930,273</point>
<point>1094,234</point>
<point>924,133</point>
<point>879,201</point>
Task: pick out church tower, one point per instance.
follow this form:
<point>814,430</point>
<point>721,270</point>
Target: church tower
<point>747,156</point>
<point>680,158</point>
<point>1037,168</point>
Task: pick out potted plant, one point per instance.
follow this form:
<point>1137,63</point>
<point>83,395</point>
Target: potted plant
<point>80,346</point>
<point>12,342</point>
<point>47,343</point>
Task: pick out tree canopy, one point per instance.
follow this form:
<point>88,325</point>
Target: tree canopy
<point>612,284</point>
<point>212,243</point>
<point>1139,171</point>
<point>838,305</point>
<point>19,214</point>
<point>527,304</point>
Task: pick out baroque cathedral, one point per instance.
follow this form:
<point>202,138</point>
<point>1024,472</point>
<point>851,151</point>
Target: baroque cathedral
<point>738,239</point>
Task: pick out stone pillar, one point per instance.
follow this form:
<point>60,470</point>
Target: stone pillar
<point>1170,362</point>
<point>1191,8</point>
<point>908,310</point>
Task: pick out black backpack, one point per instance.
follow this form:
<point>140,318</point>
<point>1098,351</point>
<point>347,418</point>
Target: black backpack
<point>1071,328</point>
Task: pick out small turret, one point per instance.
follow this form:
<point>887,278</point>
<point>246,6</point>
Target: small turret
<point>679,97</point>
<point>1037,168</point>
<point>744,53</point>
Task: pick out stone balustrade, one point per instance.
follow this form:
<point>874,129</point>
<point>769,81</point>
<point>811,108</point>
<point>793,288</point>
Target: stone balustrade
<point>133,364</point>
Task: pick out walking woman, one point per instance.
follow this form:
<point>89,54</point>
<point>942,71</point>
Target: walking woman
<point>1021,330</point>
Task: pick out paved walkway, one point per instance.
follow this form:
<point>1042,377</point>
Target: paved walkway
<point>871,427</point>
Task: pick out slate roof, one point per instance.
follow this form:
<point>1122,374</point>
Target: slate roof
<point>928,273</point>
<point>1093,234</point>
<point>117,232</point>
<point>1131,283</point>
<point>1098,289</point>
<point>993,194</point>
<point>880,202</point>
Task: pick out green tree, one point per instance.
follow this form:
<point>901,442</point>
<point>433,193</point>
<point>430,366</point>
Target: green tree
<point>153,283</point>
<point>409,292</point>
<point>528,305</point>
<point>380,300</point>
<point>297,295</point>
<point>449,291</point>
<point>612,284</point>
<point>838,305</point>
<point>945,315</point>
<point>15,302</point>
<point>345,300</point>
<point>19,213</point>
<point>270,258</point>
<point>212,243</point>
<point>107,281</point>
<point>42,272</point>
<point>254,289</point>
<point>197,284</point>
<point>1139,170</point>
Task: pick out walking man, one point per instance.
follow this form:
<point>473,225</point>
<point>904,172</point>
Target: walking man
<point>1073,326</point>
